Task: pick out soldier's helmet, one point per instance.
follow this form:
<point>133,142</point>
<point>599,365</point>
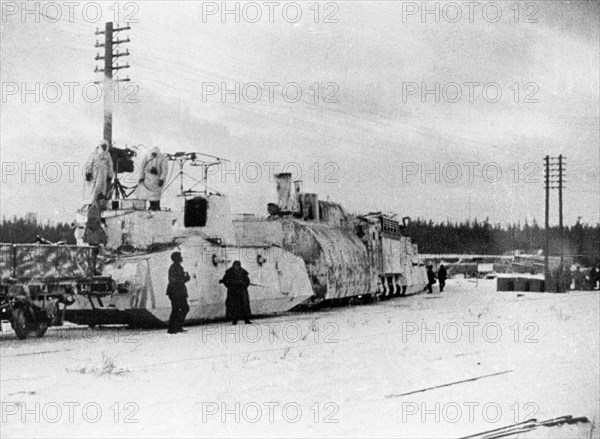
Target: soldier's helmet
<point>176,257</point>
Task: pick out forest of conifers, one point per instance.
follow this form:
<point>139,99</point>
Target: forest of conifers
<point>475,237</point>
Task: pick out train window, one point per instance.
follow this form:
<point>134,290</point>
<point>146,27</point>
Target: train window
<point>195,212</point>
<point>390,226</point>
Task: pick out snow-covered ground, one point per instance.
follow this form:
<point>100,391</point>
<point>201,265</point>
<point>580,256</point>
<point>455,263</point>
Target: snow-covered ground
<point>345,372</point>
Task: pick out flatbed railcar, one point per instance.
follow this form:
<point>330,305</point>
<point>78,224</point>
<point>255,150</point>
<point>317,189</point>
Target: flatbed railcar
<point>38,282</point>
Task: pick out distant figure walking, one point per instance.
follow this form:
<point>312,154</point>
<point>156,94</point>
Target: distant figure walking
<point>579,279</point>
<point>442,275</point>
<point>430,279</point>
<point>177,292</point>
<point>594,277</point>
<point>567,278</point>
<point>237,304</point>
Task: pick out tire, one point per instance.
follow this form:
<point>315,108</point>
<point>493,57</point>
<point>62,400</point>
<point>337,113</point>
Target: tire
<point>19,323</point>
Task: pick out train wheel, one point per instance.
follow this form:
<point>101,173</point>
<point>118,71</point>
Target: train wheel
<point>19,323</point>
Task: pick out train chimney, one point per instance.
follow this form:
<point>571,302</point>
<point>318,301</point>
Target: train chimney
<point>310,207</point>
<point>285,198</point>
<point>298,196</point>
<point>298,188</point>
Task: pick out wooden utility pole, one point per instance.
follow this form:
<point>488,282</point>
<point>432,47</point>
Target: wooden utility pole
<point>560,218</point>
<point>547,224</point>
<point>559,179</point>
<point>109,57</point>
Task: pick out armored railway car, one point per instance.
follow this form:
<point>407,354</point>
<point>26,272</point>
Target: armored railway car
<point>305,252</point>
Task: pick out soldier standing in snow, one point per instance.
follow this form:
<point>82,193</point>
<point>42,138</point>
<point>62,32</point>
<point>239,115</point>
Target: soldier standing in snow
<point>177,292</point>
<point>98,173</point>
<point>579,278</point>
<point>567,278</point>
<point>442,275</point>
<point>237,304</point>
<point>594,275</point>
<point>430,279</point>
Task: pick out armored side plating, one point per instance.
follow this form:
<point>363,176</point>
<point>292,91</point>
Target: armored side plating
<point>305,252</point>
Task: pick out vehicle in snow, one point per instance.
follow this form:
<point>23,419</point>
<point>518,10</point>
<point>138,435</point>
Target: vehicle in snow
<point>38,282</point>
<point>306,252</point>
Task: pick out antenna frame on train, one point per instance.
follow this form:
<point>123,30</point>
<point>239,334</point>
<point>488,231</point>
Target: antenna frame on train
<point>181,158</point>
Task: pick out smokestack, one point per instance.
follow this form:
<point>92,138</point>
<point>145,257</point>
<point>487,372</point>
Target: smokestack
<point>285,199</point>
<point>298,188</point>
<point>310,207</point>
<point>298,196</point>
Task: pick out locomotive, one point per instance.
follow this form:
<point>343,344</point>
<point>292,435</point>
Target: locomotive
<point>305,253</point>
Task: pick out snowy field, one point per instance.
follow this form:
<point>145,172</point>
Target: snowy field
<point>347,372</point>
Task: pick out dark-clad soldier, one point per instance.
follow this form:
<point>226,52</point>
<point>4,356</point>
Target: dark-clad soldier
<point>442,275</point>
<point>94,234</point>
<point>579,279</point>
<point>430,279</point>
<point>177,292</point>
<point>237,304</point>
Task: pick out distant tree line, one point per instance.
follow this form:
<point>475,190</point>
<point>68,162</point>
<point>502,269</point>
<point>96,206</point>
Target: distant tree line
<point>582,241</point>
<point>475,237</point>
<point>25,230</point>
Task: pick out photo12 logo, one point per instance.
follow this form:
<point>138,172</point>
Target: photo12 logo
<point>253,172</point>
<point>289,332</point>
<point>271,412</point>
<point>472,332</point>
<point>71,412</point>
<point>469,172</point>
<point>453,412</point>
<point>270,91</point>
<point>471,92</point>
<point>55,92</point>
<point>470,12</point>
<point>269,12</point>
<point>87,335</point>
<point>54,12</point>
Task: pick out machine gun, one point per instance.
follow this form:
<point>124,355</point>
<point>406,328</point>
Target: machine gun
<point>122,159</point>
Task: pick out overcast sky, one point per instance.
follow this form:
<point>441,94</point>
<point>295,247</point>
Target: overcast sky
<point>364,139</point>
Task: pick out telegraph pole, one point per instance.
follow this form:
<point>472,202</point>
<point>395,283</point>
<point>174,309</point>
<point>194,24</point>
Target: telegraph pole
<point>560,215</point>
<point>547,223</point>
<point>109,57</point>
<point>556,171</point>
